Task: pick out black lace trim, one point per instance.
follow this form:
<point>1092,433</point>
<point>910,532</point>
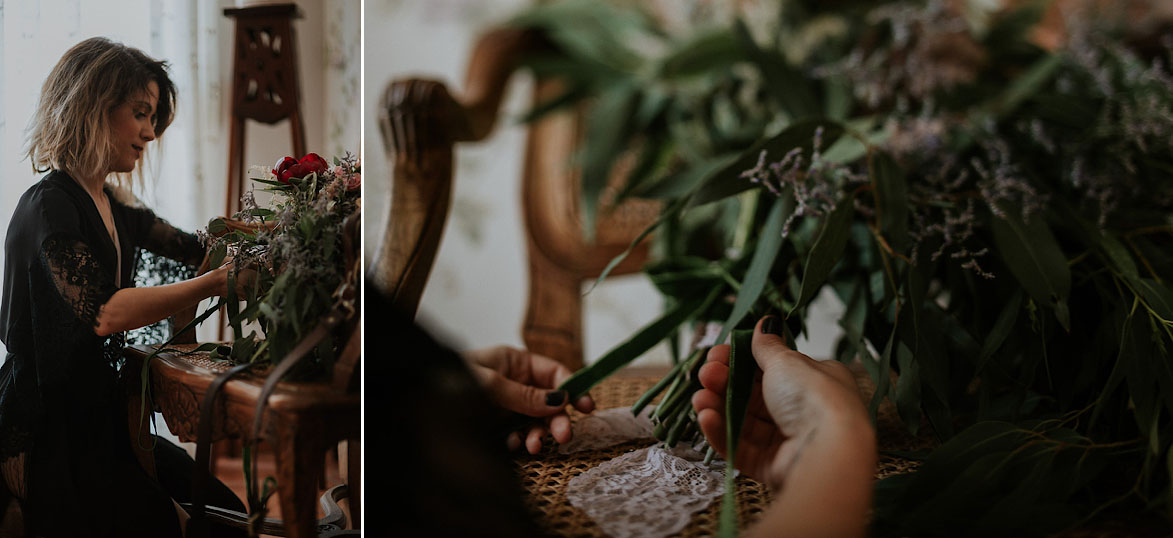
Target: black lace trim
<point>166,240</point>
<point>14,440</point>
<point>78,276</point>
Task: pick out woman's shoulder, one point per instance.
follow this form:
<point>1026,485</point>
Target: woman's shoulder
<point>56,187</point>
<point>56,198</point>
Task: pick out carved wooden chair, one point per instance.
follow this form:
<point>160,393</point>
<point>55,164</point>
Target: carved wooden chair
<point>421,121</point>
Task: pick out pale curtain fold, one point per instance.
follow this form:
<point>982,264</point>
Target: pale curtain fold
<point>342,72</point>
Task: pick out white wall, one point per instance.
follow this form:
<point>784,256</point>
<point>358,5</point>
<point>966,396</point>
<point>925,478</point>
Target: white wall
<point>477,291</point>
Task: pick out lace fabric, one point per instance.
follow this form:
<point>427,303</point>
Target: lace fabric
<point>78,277</point>
<point>650,492</point>
<point>609,427</point>
<point>170,242</point>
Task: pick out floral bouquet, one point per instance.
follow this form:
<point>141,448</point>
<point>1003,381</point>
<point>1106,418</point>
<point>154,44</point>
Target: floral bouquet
<point>303,251</point>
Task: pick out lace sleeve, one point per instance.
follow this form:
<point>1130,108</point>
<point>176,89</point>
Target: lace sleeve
<point>78,276</point>
<point>166,240</point>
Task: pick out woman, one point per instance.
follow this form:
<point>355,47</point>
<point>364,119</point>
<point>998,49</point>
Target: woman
<point>69,295</point>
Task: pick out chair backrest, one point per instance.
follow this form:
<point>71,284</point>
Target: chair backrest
<point>421,121</point>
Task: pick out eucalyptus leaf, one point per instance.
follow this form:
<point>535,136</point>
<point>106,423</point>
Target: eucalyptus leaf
<point>759,267</point>
<point>656,389</point>
<point>1119,256</point>
<point>1002,327</point>
<point>790,88</point>
<point>883,384</point>
<point>217,225</point>
<point>1035,259</point>
<point>908,389</point>
<point>891,188</point>
<point>702,55</point>
<point>827,250</point>
<point>1157,296</point>
<point>741,374</point>
<point>686,181</point>
<point>606,137</point>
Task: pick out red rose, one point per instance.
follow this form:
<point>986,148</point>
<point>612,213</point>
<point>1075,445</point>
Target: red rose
<point>288,168</point>
<point>314,163</point>
<point>281,169</point>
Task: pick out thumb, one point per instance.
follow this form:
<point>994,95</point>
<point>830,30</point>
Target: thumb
<point>768,343</point>
<point>527,399</point>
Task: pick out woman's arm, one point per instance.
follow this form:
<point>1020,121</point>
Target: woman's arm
<point>158,236</point>
<point>131,308</point>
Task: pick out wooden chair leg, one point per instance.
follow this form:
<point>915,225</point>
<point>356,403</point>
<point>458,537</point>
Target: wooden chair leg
<point>353,474</point>
<point>298,460</point>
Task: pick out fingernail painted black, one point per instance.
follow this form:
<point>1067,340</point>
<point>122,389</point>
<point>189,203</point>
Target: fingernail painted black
<point>556,397</point>
<point>772,325</point>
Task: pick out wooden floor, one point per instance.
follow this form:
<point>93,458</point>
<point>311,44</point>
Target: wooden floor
<point>231,472</point>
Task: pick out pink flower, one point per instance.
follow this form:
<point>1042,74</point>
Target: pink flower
<point>353,182</point>
<point>339,171</point>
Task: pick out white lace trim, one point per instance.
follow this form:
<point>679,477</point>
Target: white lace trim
<point>650,492</point>
<point>609,427</point>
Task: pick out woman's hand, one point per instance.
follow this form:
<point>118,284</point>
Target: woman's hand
<point>244,278</point>
<point>792,397</point>
<point>525,383</point>
<point>806,435</point>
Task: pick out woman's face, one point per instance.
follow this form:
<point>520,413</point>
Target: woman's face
<point>133,123</point>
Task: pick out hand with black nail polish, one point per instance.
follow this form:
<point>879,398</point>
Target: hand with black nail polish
<point>526,383</point>
<point>806,434</point>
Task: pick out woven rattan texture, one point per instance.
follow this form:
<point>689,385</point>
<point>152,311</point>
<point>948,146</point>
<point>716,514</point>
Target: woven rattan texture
<point>203,359</point>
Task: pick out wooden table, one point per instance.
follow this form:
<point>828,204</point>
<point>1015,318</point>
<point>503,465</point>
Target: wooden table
<point>302,421</point>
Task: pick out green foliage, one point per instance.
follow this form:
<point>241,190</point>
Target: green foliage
<point>996,218</point>
<point>297,254</point>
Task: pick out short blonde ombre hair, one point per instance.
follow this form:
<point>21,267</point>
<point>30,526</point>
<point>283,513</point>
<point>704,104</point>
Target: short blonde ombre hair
<point>71,128</point>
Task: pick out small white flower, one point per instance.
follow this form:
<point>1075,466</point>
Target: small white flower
<point>257,171</point>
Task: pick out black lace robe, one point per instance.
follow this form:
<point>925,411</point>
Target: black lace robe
<point>64,444</point>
